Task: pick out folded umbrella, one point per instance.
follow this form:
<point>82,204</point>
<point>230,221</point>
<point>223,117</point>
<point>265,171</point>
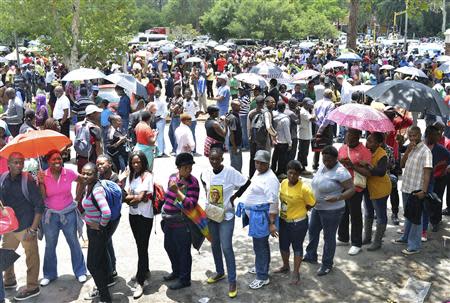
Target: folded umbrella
<point>35,143</point>
<point>410,95</point>
<point>362,117</point>
<point>7,258</point>
<point>81,74</point>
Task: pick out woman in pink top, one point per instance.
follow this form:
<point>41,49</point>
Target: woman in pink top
<point>61,213</point>
<point>351,154</point>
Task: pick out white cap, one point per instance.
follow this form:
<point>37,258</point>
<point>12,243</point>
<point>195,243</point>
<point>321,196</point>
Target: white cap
<point>90,109</point>
<point>223,76</point>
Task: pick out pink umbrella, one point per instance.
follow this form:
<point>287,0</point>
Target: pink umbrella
<point>362,117</point>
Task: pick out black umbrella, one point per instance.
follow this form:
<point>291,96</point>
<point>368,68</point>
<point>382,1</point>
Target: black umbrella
<point>410,95</point>
<point>7,258</point>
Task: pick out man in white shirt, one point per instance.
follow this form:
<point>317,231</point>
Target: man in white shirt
<point>161,113</point>
<point>184,136</point>
<point>190,107</point>
<point>305,132</point>
<point>61,111</point>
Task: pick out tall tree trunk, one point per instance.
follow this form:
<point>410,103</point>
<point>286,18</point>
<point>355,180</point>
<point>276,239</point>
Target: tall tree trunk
<point>352,24</point>
<point>74,53</point>
<point>444,16</point>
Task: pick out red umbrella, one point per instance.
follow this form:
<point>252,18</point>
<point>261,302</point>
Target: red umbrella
<point>35,143</point>
<point>362,117</point>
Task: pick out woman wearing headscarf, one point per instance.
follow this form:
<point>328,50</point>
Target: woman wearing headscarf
<point>220,182</point>
<point>332,185</point>
<point>41,110</point>
<point>182,192</point>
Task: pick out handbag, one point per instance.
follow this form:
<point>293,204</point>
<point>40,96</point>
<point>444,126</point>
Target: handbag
<point>358,179</point>
<point>214,212</point>
<point>8,219</point>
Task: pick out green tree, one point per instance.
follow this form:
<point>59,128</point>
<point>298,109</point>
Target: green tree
<point>185,11</point>
<point>216,21</point>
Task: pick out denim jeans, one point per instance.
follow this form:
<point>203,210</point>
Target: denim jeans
<point>262,257</point>
<point>236,160</point>
<point>245,143</point>
<point>160,125</point>
<point>413,232</point>
<point>192,127</point>
<point>177,243</point>
<point>377,206</point>
<point>222,242</point>
<point>174,123</point>
<point>328,220</point>
<point>51,233</point>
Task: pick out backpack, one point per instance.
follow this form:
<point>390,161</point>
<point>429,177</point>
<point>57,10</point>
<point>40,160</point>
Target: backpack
<point>113,197</point>
<point>24,184</point>
<point>259,131</point>
<point>158,198</point>
<point>82,143</point>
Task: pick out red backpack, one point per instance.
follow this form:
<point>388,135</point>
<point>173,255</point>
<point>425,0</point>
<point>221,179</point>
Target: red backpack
<point>158,198</point>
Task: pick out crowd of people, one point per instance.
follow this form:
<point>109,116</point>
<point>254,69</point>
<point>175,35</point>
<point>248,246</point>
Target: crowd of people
<point>278,125</point>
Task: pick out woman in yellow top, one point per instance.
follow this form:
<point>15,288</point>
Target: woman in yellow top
<point>296,199</point>
<point>379,187</point>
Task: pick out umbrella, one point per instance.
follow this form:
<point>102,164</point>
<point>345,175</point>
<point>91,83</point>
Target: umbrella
<point>267,49</point>
<point>362,117</point>
<point>410,95</point>
<point>7,258</point>
<point>268,70</point>
<point>13,56</point>
<point>3,59</point>
<point>129,83</point>
<point>445,67</point>
<point>305,74</point>
<point>349,57</point>
<point>229,44</point>
<point>182,55</point>
<point>221,48</point>
<point>252,79</point>
<point>83,74</point>
<point>443,58</point>
<point>285,79</point>
<point>306,45</point>
<point>387,66</point>
<point>333,64</point>
<point>211,43</point>
<point>412,71</point>
<point>4,48</point>
<point>35,143</point>
<point>193,60</point>
<point>167,48</point>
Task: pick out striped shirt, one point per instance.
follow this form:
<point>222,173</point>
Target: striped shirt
<point>322,108</point>
<point>245,105</point>
<point>189,187</point>
<point>419,158</point>
<point>92,214</point>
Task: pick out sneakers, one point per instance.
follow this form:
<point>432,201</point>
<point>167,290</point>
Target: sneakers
<point>10,285</point>
<point>81,279</point>
<point>424,237</point>
<point>215,278</point>
<point>27,294</point>
<point>232,290</point>
<point>138,291</point>
<point>257,284</point>
<point>93,294</point>
<point>323,271</point>
<point>410,252</point>
<point>252,270</point>
<point>341,243</point>
<point>354,250</point>
<point>45,282</point>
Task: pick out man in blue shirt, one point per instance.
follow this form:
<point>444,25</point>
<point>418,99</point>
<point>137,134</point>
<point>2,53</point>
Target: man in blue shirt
<point>124,108</point>
<point>223,95</point>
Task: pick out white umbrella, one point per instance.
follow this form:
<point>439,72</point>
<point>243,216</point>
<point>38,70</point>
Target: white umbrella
<point>229,44</point>
<point>13,56</point>
<point>443,58</point>
<point>212,43</point>
<point>193,60</point>
<point>306,45</point>
<point>285,79</point>
<point>128,82</point>
<point>445,67</point>
<point>83,74</point>
<point>267,49</point>
<point>412,71</point>
<point>221,48</point>
<point>252,79</point>
<point>387,66</point>
<point>333,64</point>
<point>305,74</point>
<point>3,60</point>
<point>268,70</point>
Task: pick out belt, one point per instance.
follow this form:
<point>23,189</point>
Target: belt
<point>295,220</point>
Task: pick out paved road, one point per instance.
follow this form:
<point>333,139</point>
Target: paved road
<point>367,277</point>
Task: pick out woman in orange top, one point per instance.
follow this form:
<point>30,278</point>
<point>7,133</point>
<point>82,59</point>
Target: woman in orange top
<point>145,138</point>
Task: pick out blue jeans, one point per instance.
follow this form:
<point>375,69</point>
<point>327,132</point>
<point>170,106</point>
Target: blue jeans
<point>51,233</point>
<point>377,206</point>
<point>192,127</point>
<point>245,143</point>
<point>262,257</point>
<point>413,232</point>
<point>160,125</point>
<point>236,160</point>
<point>174,123</point>
<point>328,220</point>
<point>222,242</point>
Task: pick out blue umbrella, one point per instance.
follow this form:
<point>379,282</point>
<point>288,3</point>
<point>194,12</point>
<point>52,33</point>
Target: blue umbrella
<point>349,57</point>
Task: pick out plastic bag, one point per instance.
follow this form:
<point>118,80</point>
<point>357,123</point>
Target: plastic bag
<point>8,220</point>
<point>415,291</point>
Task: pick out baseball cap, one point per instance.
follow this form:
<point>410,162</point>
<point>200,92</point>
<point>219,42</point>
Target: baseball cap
<point>262,156</point>
<point>90,109</point>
